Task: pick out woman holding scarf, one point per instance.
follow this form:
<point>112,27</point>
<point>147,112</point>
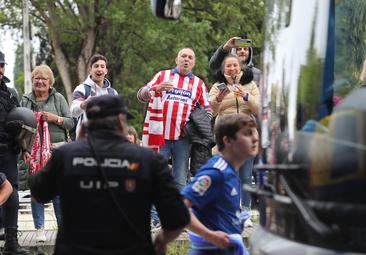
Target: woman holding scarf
<point>54,121</point>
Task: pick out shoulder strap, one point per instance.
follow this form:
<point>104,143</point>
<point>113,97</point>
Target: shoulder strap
<point>110,91</point>
<point>87,91</point>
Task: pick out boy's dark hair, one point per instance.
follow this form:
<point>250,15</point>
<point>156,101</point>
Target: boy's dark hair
<point>97,57</point>
<point>229,125</point>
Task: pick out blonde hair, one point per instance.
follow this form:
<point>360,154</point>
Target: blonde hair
<point>44,69</point>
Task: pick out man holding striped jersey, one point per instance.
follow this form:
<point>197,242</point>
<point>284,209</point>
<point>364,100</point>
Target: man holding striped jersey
<point>172,95</point>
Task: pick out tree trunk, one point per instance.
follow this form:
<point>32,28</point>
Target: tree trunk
<point>67,69</point>
<point>86,53</point>
<point>63,68</point>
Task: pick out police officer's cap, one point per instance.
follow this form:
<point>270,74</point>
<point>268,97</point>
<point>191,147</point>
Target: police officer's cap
<point>2,58</point>
<point>106,105</point>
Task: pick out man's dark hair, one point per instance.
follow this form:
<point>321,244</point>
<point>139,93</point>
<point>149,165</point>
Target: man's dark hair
<point>108,123</point>
<point>229,125</point>
<point>95,58</point>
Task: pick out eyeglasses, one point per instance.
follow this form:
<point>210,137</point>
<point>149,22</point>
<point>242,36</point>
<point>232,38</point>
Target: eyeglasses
<point>40,79</point>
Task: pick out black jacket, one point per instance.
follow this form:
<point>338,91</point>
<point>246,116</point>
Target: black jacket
<point>249,73</point>
<point>199,131</point>
<point>199,128</point>
<point>7,102</point>
<point>91,223</point>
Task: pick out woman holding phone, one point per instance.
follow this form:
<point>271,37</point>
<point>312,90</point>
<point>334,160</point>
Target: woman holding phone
<point>234,92</point>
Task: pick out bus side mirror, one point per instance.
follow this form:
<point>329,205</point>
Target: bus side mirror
<point>166,9</point>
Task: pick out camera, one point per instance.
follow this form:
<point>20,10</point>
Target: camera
<point>239,42</point>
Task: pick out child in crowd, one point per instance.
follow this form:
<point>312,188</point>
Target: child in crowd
<point>132,135</point>
<point>214,194</point>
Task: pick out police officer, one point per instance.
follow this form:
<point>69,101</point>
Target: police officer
<point>9,149</point>
<point>107,187</point>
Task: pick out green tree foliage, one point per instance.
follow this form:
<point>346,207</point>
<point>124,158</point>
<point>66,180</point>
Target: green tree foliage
<point>350,40</point>
<point>153,43</point>
<point>136,43</point>
<point>18,70</point>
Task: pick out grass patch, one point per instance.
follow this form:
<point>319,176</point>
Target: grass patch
<point>178,248</point>
<point>181,247</point>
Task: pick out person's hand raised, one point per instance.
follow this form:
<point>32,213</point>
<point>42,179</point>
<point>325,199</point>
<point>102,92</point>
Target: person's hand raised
<point>230,43</point>
<point>164,86</point>
<point>85,102</point>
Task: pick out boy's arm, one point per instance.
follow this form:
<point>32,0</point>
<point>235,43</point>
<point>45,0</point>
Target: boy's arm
<point>78,97</point>
<point>218,238</point>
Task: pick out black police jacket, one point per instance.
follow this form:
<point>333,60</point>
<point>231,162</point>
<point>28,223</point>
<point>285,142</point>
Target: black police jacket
<point>91,224</point>
<point>7,102</point>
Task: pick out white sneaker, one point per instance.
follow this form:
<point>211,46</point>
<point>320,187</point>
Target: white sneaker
<point>41,235</point>
<point>248,223</point>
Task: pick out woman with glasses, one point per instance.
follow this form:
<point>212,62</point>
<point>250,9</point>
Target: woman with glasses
<point>51,107</point>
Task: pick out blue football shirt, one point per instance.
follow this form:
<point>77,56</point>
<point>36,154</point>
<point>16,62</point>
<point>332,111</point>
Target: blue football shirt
<point>215,195</point>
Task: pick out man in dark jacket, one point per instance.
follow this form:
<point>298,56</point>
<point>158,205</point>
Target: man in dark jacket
<point>9,149</point>
<point>245,55</point>
<point>107,187</point>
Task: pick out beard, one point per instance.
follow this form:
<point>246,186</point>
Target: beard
<point>244,61</point>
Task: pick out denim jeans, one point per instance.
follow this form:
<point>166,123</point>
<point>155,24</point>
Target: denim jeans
<point>179,150</point>
<point>38,212</point>
<point>245,173</point>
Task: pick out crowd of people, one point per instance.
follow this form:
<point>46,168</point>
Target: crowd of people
<point>91,199</point>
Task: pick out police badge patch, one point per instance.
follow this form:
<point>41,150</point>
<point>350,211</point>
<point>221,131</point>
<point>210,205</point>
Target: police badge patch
<point>202,184</point>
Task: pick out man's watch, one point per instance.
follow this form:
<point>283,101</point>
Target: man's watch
<point>59,121</point>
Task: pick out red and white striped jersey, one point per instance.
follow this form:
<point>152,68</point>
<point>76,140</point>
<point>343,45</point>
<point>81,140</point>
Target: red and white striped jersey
<point>178,102</point>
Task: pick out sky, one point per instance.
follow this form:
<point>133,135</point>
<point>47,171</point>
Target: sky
<point>7,46</point>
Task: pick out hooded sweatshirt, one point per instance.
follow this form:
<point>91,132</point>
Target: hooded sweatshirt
<point>78,96</point>
<point>219,56</point>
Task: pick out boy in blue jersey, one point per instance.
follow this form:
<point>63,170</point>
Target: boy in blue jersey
<point>214,194</point>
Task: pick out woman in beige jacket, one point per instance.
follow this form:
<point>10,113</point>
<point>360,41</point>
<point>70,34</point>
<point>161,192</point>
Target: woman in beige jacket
<point>233,96</point>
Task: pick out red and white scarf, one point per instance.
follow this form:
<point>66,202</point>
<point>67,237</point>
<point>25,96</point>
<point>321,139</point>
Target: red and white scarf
<point>41,150</point>
<point>153,131</point>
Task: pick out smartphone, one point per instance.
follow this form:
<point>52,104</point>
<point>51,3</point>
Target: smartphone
<point>222,86</point>
<point>243,42</point>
